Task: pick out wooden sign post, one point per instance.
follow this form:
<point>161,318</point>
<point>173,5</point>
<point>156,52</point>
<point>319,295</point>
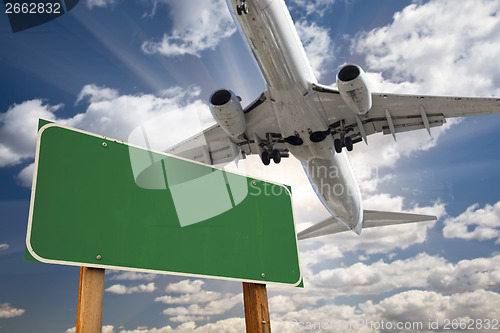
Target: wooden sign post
<point>256,308</point>
<point>90,296</point>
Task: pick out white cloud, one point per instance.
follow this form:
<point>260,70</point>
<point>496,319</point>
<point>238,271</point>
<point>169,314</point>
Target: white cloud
<point>117,115</point>
<point>4,246</point>
<point>316,319</point>
<point>317,44</point>
<point>193,31</point>
<point>422,306</point>
<point>438,46</point>
<point>377,83</point>
<point>132,276</point>
<point>372,162</point>
<point>423,271</point>
<point>185,287</point>
<point>25,177</point>
<point>184,318</point>
<point>420,272</point>
<point>371,241</point>
<point>466,275</point>
<point>201,296</point>
<point>376,278</point>
<point>192,293</point>
<point>152,11</point>
<point>281,303</point>
<point>108,113</point>
<point>99,3</point>
<point>390,238</point>
<point>18,130</point>
<point>96,94</point>
<point>229,325</point>
<point>475,224</point>
<point>105,329</point>
<point>414,307</point>
<point>6,311</point>
<point>454,290</point>
<point>121,289</point>
<point>310,7</point>
<point>216,307</point>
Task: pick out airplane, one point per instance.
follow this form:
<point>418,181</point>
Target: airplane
<point>314,122</point>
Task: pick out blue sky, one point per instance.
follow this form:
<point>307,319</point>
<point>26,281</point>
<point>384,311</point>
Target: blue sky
<point>108,66</point>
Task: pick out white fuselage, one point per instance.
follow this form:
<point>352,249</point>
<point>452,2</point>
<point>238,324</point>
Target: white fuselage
<point>273,39</point>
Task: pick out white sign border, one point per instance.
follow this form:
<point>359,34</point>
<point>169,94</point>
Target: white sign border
<point>152,271</point>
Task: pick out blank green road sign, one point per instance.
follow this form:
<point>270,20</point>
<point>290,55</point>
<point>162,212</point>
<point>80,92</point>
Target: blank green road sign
<point>98,202</point>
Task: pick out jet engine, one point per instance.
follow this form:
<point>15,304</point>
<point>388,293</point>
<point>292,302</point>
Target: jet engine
<point>226,109</point>
<point>351,82</point>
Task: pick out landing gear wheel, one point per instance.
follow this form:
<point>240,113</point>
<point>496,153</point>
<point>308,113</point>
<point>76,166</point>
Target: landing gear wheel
<point>294,140</point>
<point>338,145</point>
<point>242,9</point>
<point>318,136</point>
<point>266,159</point>
<point>348,144</point>
<point>276,156</point>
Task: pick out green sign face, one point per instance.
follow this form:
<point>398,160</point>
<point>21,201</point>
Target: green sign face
<point>98,202</point>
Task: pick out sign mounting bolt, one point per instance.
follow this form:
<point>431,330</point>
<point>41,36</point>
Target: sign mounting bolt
<point>104,144</point>
<point>98,257</point>
<point>263,275</point>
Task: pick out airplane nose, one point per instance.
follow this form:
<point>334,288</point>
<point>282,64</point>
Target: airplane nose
<point>359,226</point>
<point>335,185</point>
<point>351,214</point>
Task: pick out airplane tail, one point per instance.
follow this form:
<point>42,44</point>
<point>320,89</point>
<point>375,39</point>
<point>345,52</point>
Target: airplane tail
<point>371,219</point>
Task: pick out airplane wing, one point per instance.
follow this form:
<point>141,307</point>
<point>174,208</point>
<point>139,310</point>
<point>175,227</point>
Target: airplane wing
<point>215,146</point>
<point>394,113</point>
<point>371,219</point>
<point>212,146</point>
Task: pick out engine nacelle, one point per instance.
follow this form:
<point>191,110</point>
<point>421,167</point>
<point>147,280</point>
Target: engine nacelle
<point>227,112</point>
<point>351,82</point>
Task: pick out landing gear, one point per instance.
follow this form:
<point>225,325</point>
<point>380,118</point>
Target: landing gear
<point>294,140</point>
<point>338,144</point>
<point>266,149</point>
<point>276,156</point>
<point>348,143</point>
<point>242,9</point>
<point>319,136</point>
<point>266,157</point>
<point>343,141</point>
